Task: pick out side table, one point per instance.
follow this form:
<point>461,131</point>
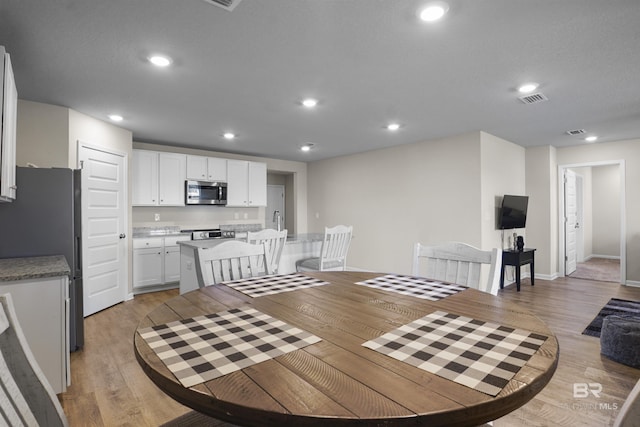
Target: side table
<point>517,259</point>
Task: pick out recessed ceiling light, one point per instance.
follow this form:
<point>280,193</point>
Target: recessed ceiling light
<point>115,117</point>
<point>393,126</point>
<point>307,147</point>
<point>229,135</point>
<point>591,138</point>
<point>528,87</point>
<point>160,60</point>
<point>434,11</point>
<point>309,102</point>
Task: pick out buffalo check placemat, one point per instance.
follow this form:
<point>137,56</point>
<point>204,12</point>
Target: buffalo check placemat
<point>206,347</point>
<point>418,287</point>
<point>274,284</point>
<point>481,355</point>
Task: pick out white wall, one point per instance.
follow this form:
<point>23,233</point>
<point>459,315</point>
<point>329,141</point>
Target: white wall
<point>429,192</point>
<point>606,211</point>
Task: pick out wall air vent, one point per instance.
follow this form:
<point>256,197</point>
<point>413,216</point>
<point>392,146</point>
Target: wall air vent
<point>534,98</point>
<point>228,5</point>
<point>576,132</point>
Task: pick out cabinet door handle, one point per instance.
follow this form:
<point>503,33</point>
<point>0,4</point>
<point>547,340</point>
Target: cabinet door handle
<point>122,235</point>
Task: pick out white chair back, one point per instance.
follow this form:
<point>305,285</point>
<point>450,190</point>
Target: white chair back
<point>231,260</point>
<point>458,263</point>
<point>335,247</point>
<point>26,397</point>
<point>629,415</point>
<point>274,242</point>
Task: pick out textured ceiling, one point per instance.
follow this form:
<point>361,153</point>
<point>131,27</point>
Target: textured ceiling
<point>368,62</point>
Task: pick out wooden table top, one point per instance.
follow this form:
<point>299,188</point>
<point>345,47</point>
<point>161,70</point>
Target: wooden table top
<point>337,381</point>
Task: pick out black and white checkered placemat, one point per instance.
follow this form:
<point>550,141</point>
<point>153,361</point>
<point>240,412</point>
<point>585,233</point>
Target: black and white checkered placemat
<point>274,284</point>
<point>206,347</point>
<point>418,287</point>
<point>481,355</point>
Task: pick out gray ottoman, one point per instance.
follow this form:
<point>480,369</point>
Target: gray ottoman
<point>620,339</point>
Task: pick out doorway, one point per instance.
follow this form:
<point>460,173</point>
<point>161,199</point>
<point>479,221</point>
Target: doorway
<point>275,213</point>
<point>589,224</point>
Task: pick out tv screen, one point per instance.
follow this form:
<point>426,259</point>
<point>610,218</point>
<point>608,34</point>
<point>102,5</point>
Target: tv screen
<point>513,213</point>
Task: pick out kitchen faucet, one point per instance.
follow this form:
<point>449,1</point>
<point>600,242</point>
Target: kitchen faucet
<point>277,218</point>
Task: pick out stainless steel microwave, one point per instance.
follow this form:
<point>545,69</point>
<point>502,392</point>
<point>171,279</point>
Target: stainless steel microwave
<point>205,193</point>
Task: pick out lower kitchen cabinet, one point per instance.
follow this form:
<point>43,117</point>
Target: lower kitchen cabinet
<point>156,262</point>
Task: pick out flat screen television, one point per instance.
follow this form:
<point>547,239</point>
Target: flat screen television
<point>513,212</point>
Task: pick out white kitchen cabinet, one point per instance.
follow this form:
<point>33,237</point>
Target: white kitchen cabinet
<point>41,306</point>
<point>8,117</point>
<point>202,168</point>
<point>172,169</point>
<point>246,183</point>
<point>156,261</point>
<point>158,178</point>
<point>145,178</point>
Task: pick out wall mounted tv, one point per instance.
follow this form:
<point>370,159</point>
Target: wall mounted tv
<point>513,212</point>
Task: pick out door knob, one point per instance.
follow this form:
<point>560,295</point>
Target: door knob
<point>122,235</point>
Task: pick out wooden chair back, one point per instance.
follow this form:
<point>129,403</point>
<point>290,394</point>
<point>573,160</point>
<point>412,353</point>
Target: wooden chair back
<point>274,242</point>
<point>26,397</point>
<point>231,260</point>
<point>458,263</point>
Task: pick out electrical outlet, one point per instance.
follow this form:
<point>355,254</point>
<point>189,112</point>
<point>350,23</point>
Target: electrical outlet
<point>156,217</point>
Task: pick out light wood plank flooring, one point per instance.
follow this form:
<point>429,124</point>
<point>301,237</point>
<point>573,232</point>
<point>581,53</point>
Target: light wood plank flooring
<point>109,388</point>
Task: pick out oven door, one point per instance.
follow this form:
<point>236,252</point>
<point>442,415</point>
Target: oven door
<point>205,193</point>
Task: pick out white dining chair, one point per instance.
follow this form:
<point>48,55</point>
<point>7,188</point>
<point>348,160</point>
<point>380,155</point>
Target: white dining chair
<point>231,260</point>
<point>26,397</point>
<point>458,263</point>
<point>629,415</point>
<point>274,242</point>
<point>333,253</point>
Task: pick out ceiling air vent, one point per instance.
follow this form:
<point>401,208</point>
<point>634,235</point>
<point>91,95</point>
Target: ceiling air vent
<point>534,98</point>
<point>225,4</point>
<point>576,132</point>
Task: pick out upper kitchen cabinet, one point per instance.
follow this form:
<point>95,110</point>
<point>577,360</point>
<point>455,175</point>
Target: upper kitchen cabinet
<point>246,183</point>
<point>201,168</point>
<point>9,114</point>
<point>158,178</point>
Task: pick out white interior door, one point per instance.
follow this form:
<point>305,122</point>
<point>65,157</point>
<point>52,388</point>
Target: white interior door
<point>275,202</point>
<point>104,214</point>
<point>571,221</point>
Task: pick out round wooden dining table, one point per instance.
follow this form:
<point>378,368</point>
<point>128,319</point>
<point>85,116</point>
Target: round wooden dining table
<point>337,380</point>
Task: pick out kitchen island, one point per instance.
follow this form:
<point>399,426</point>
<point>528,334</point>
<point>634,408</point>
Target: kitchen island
<point>297,247</point>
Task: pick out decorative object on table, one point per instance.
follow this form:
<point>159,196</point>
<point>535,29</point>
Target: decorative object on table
<point>520,243</point>
<point>480,355</point>
<point>614,306</point>
<point>333,253</point>
<point>274,241</point>
<point>203,348</point>
<point>269,285</point>
<point>26,397</point>
<point>418,287</point>
<point>620,339</point>
<point>231,260</point>
<point>458,263</point>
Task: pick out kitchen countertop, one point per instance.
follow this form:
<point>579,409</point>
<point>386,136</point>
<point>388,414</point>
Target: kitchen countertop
<point>294,239</point>
<point>12,269</point>
<point>144,232</point>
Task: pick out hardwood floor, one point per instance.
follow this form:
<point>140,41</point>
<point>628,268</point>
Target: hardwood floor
<point>110,389</point>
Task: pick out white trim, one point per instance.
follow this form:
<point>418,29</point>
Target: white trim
<point>633,283</point>
<point>603,256</point>
<point>623,224</point>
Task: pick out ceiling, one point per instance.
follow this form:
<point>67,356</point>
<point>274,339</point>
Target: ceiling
<point>368,62</point>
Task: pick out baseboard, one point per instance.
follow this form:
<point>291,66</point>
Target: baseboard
<point>549,277</point>
<point>602,256</point>
<point>357,269</point>
<point>633,283</point>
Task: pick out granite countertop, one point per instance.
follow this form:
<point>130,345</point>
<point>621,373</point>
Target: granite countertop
<point>12,269</point>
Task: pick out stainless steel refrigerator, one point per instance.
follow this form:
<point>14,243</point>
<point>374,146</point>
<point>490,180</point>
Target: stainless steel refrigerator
<point>45,219</point>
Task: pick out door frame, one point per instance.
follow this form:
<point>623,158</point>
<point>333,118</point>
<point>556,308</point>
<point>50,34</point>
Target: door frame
<point>126,294</point>
<point>623,225</point>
